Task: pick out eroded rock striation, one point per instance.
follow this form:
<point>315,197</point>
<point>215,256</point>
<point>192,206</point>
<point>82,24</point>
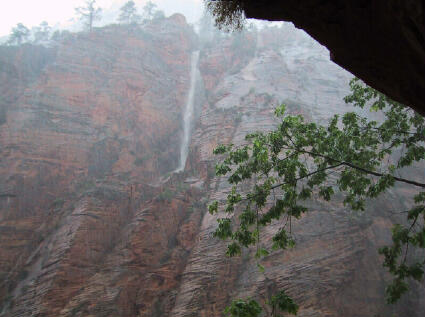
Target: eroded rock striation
<point>94,223</point>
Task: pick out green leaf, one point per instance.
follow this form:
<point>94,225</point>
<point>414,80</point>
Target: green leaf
<point>281,240</point>
<point>261,252</point>
<point>260,267</point>
<point>233,249</point>
<point>284,303</point>
<point>224,229</point>
<point>280,111</point>
<point>243,308</point>
<point>213,207</point>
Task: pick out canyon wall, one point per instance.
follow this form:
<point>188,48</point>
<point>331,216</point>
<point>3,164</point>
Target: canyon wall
<point>93,221</point>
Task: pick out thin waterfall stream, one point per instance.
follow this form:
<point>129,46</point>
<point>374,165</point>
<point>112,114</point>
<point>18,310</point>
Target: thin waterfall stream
<point>188,113</point>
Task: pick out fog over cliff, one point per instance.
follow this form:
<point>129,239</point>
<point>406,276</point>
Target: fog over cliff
<point>61,14</point>
<point>106,169</point>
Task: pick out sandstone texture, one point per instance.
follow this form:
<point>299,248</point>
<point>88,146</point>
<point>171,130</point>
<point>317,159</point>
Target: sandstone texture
<point>93,221</point>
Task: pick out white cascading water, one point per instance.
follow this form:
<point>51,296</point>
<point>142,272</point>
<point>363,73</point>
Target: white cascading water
<point>188,113</point>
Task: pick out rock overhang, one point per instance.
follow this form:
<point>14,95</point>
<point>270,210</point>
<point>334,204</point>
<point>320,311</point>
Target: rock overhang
<point>381,42</point>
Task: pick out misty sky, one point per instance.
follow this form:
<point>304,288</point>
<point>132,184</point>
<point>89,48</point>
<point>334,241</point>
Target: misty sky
<point>32,12</point>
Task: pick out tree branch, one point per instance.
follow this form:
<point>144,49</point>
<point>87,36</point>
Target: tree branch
<point>364,170</point>
<point>308,175</point>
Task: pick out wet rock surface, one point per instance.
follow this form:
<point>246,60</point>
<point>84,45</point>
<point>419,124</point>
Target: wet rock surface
<point>92,222</point>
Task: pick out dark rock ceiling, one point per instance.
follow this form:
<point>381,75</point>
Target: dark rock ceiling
<point>380,41</point>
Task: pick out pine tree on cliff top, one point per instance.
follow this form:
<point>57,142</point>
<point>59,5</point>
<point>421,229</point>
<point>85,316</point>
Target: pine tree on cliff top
<point>149,11</point>
<point>42,32</point>
<point>88,14</point>
<point>18,35</point>
<point>129,14</point>
<point>352,156</point>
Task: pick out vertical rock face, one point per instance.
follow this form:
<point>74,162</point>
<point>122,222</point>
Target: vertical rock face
<point>84,126</point>
<point>92,223</point>
<point>334,269</point>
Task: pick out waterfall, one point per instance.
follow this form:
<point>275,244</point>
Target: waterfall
<point>188,113</point>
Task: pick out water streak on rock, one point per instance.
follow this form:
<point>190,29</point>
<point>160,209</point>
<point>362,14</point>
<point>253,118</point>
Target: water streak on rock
<point>188,112</point>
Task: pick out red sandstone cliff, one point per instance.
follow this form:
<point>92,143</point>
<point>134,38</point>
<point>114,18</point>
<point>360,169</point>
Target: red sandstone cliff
<point>92,223</point>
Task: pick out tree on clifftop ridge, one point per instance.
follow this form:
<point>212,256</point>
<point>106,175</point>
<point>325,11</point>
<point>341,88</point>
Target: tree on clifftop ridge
<point>19,34</point>
<point>89,14</point>
<point>42,32</point>
<point>149,10</point>
<point>129,13</point>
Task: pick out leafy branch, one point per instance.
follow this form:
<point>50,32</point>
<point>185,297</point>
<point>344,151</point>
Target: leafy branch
<point>296,158</point>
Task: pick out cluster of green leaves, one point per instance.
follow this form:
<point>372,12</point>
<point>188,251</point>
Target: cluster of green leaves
<point>353,155</point>
<point>403,237</point>
<point>243,308</point>
<point>282,303</point>
<point>250,308</point>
